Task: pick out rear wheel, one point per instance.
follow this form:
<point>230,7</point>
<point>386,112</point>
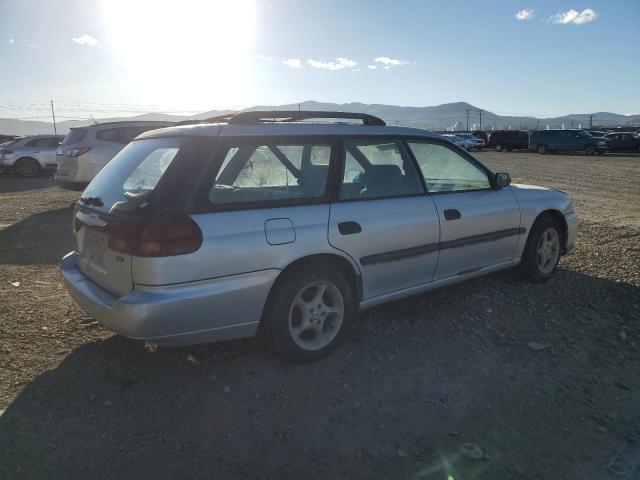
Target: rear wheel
<point>499,148</point>
<point>27,167</point>
<point>590,149</point>
<point>542,149</point>
<point>542,250</point>
<point>307,313</point>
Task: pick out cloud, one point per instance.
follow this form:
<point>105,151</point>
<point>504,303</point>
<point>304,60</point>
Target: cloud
<point>264,57</point>
<point>85,39</point>
<point>339,64</point>
<point>573,16</point>
<point>355,70</point>
<point>293,63</point>
<point>372,67</point>
<point>390,62</point>
<point>12,41</point>
<point>524,14</point>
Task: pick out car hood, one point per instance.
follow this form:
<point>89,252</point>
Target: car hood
<point>528,193</point>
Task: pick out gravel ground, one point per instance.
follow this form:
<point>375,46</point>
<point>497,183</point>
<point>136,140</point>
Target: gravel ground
<point>543,380</point>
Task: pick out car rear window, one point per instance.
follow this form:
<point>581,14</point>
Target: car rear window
<point>75,135</point>
<point>135,170</point>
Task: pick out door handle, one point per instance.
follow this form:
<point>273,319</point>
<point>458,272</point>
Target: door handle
<point>349,228</point>
<point>452,214</point>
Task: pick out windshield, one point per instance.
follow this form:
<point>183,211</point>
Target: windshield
<point>135,171</point>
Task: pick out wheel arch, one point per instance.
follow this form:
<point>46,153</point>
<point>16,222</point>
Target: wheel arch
<point>322,260</point>
<point>559,218</point>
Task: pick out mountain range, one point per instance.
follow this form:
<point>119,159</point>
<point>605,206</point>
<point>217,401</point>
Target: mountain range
<point>447,116</point>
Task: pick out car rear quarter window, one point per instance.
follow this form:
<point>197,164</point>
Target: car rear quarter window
<point>254,172</point>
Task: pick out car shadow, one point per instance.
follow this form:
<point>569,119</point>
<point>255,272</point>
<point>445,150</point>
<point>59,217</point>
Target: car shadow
<point>40,239</point>
<point>11,183</point>
<point>413,381</point>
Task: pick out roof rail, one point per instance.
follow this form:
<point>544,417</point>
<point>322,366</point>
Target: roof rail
<point>244,118</point>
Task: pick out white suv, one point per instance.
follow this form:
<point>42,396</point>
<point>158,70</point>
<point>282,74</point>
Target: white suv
<point>27,156</point>
<point>86,150</point>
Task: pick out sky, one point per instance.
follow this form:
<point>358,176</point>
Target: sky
<point>113,57</point>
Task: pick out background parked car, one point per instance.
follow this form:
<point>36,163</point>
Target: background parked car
<point>509,140</point>
<point>623,142</point>
<point>86,150</point>
<point>27,156</point>
<point>596,133</point>
<point>481,134</point>
<point>459,141</point>
<point>478,142</point>
<point>543,141</point>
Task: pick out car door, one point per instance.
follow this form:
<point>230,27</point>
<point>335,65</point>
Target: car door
<point>626,142</point>
<point>479,224</point>
<point>382,217</point>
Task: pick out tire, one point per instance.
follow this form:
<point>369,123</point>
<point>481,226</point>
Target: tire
<point>542,250</point>
<point>499,148</point>
<point>638,149</point>
<point>590,149</point>
<point>307,312</point>
<point>600,152</point>
<point>509,149</point>
<point>542,149</point>
<point>27,167</point>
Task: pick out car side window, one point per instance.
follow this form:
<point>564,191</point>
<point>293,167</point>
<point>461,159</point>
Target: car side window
<point>445,170</point>
<point>374,169</point>
<point>38,143</point>
<point>268,172</point>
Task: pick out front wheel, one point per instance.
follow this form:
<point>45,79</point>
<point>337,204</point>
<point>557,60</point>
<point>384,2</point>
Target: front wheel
<point>499,148</point>
<point>542,250</point>
<point>590,149</point>
<point>307,313</point>
<point>542,149</point>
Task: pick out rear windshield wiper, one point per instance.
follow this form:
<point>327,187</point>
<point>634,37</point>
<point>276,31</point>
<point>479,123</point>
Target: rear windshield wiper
<point>95,201</point>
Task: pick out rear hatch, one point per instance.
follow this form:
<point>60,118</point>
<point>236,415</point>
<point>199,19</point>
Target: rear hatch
<point>69,150</point>
<point>108,215</point>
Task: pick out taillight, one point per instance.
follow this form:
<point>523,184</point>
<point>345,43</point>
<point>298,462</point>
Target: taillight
<point>76,152</point>
<point>157,235</point>
<point>5,151</point>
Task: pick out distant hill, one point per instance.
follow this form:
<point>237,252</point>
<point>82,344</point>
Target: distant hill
<point>439,117</point>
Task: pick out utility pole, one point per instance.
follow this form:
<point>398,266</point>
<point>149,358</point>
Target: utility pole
<point>590,121</point>
<point>53,114</point>
<point>467,111</point>
<point>480,115</point>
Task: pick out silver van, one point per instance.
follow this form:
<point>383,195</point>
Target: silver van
<point>86,150</point>
<point>267,222</point>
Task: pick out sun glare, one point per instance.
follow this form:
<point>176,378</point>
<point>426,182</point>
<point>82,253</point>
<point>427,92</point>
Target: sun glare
<point>188,53</point>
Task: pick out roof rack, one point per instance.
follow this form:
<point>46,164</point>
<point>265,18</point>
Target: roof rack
<point>244,118</point>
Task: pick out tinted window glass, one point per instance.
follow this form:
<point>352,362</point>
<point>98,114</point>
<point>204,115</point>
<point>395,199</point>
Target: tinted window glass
<point>75,135</point>
<point>54,142</point>
<point>446,171</point>
<point>136,168</point>
<point>116,135</point>
<point>44,142</point>
<point>258,173</point>
<point>374,169</point>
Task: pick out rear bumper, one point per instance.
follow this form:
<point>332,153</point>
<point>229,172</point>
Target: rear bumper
<point>75,170</point>
<point>572,230</point>
<point>184,314</point>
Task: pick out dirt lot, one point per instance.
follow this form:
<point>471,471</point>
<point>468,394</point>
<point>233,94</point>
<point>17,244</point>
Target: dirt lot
<point>413,381</point>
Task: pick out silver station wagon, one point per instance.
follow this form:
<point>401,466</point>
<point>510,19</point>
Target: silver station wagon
<point>271,223</point>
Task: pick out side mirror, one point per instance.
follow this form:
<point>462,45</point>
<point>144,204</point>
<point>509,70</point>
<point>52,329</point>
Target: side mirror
<point>503,180</point>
